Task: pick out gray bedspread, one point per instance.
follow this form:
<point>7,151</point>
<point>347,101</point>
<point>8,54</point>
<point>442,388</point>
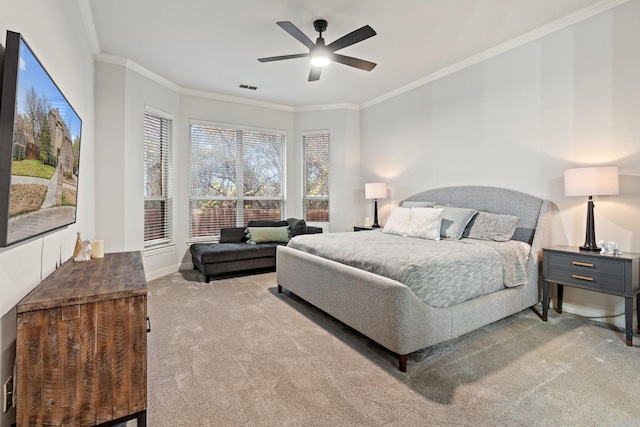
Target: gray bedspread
<point>441,273</point>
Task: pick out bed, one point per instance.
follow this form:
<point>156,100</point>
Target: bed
<point>382,306</point>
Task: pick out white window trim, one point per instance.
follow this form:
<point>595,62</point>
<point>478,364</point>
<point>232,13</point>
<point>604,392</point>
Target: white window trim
<point>325,225</point>
<point>165,244</point>
<point>238,127</point>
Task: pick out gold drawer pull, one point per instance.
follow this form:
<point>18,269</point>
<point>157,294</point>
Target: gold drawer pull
<point>575,276</point>
<point>583,264</point>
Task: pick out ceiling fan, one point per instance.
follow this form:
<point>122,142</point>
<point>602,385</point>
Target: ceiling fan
<point>322,54</point>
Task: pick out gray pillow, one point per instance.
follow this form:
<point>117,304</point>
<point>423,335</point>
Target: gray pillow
<point>417,204</point>
<point>490,226</point>
<point>297,226</point>
<point>454,221</point>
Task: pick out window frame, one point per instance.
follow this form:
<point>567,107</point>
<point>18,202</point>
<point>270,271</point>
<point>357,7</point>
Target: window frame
<point>305,198</point>
<point>166,149</point>
<point>239,198</point>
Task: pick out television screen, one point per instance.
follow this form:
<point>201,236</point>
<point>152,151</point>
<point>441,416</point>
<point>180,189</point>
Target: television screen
<point>39,148</point>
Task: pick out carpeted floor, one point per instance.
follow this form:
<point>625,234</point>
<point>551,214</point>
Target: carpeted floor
<point>235,352</point>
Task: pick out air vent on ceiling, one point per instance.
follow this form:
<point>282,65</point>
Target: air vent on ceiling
<point>250,87</point>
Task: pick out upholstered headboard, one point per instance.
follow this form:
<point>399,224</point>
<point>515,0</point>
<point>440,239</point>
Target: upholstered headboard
<point>490,199</point>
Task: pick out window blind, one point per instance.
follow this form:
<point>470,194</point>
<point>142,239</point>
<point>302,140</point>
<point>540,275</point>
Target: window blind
<point>315,149</point>
<point>237,175</point>
<point>158,203</point>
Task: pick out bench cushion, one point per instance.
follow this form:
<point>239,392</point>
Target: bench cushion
<point>209,253</point>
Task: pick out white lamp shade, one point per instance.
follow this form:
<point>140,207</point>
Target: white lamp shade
<point>375,190</point>
<point>593,181</point>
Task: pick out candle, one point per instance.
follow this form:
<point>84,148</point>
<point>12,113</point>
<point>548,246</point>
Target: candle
<point>97,249</point>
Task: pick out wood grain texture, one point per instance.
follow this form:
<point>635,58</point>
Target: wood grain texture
<point>81,356</point>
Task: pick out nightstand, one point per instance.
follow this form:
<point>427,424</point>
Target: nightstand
<point>615,275</point>
<point>362,228</point>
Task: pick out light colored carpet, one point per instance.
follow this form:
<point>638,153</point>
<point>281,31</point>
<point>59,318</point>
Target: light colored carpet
<point>234,352</point>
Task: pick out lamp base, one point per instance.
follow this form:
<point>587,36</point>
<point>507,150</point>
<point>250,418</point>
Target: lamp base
<point>375,214</point>
<point>590,234</point>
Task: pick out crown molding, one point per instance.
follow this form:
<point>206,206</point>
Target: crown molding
<point>595,9</point>
<point>238,100</point>
<point>134,66</point>
<point>89,26</point>
<point>327,107</point>
<point>536,34</point>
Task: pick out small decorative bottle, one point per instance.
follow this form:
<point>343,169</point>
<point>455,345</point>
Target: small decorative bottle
<point>78,247</point>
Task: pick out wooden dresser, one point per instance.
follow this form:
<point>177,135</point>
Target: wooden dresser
<point>81,347</point>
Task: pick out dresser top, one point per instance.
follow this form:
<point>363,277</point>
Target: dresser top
<point>117,275</point>
<point>576,250</point>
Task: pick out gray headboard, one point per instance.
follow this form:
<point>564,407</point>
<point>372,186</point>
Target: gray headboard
<point>490,199</point>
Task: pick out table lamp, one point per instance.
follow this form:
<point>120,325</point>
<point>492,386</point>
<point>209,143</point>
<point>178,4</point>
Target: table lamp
<point>591,181</point>
<point>375,191</point>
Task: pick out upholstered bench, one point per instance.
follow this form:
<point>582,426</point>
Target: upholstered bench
<point>234,253</point>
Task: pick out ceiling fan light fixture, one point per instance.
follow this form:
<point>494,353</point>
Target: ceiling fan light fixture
<point>319,55</point>
<point>319,61</point>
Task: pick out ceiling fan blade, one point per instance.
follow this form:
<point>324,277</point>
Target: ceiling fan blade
<point>280,58</point>
<point>352,38</point>
<point>314,74</point>
<point>353,62</point>
<point>295,32</point>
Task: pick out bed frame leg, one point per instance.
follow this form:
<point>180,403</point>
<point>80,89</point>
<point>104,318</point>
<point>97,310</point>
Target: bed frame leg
<point>402,365</point>
<point>279,289</point>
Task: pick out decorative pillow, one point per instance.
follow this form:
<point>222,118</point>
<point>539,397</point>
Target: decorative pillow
<point>267,235</point>
<point>490,226</point>
<point>267,223</point>
<point>416,204</point>
<point>297,226</point>
<point>454,221</point>
<point>231,235</point>
<point>398,221</point>
<point>425,223</point>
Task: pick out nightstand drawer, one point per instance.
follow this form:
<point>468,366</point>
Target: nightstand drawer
<point>588,265</point>
<point>586,278</point>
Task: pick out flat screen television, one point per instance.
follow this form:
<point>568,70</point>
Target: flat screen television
<point>39,148</point>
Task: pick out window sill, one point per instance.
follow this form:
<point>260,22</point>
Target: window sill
<point>158,250</point>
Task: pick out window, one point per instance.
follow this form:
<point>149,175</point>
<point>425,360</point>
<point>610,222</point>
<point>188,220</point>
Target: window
<point>237,175</point>
<point>315,199</point>
<point>158,204</point>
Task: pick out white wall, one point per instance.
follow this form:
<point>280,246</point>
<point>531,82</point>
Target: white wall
<point>517,121</point>
<point>55,32</point>
<point>123,95</point>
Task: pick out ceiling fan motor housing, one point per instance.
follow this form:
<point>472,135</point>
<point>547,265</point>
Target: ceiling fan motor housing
<point>320,25</point>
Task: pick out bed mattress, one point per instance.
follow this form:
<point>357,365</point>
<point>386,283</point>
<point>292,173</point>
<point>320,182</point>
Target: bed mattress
<point>441,273</point>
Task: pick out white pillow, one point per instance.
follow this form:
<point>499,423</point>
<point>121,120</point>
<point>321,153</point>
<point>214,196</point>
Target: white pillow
<point>412,204</point>
<point>398,221</point>
<point>425,223</point>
